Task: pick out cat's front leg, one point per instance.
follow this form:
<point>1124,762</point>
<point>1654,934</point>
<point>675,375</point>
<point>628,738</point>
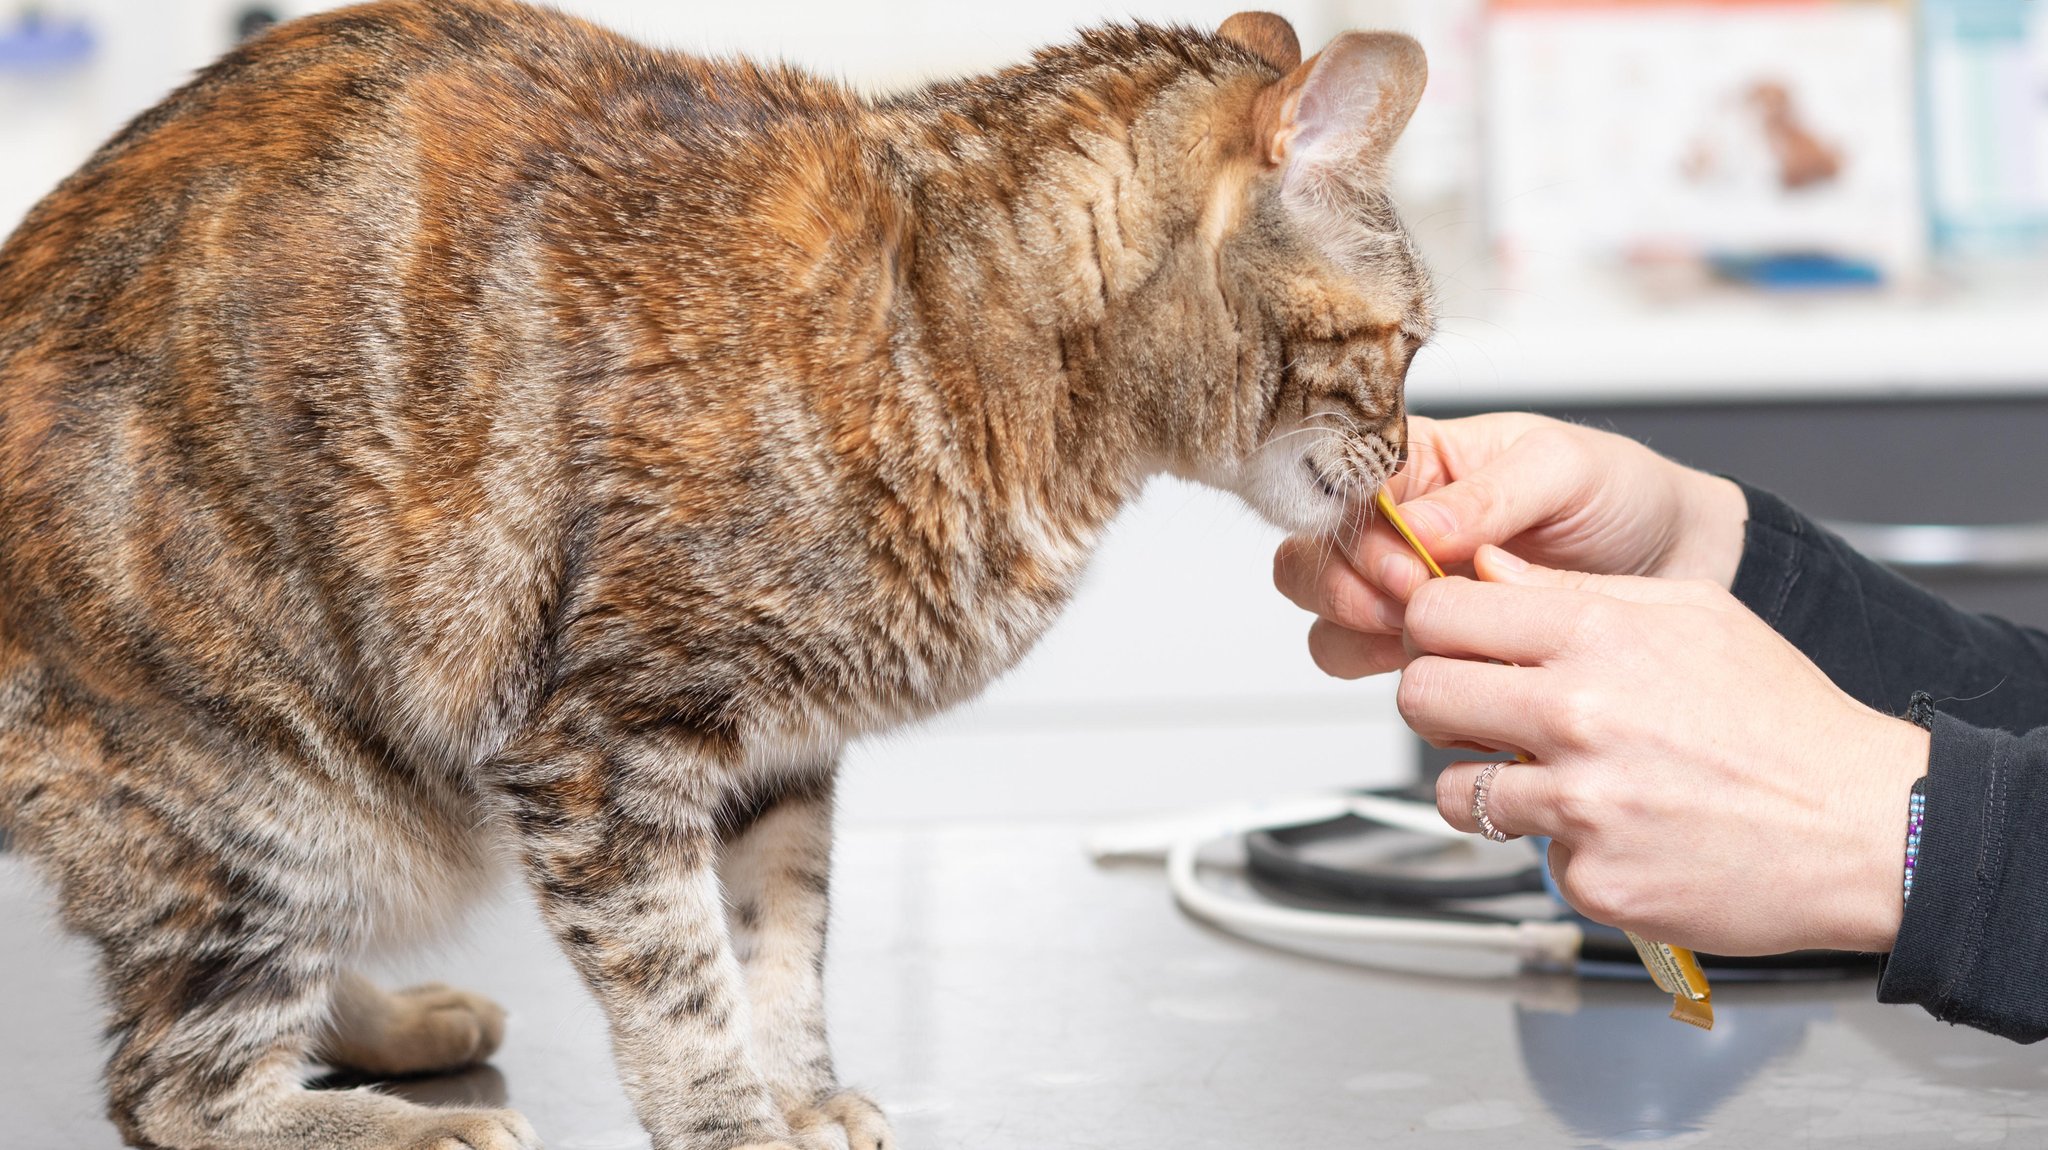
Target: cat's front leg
<point>776,869</point>
<point>618,835</point>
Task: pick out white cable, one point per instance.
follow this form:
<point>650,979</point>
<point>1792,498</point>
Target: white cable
<point>1531,939</point>
<point>1180,840</point>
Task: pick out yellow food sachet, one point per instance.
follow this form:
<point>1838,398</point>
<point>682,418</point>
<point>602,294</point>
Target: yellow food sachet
<point>1673,968</point>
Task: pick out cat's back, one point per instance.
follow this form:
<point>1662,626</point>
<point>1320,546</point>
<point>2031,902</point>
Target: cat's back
<point>326,112</point>
<point>280,377</point>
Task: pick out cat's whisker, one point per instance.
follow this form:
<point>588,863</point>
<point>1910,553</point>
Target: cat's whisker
<point>1292,432</point>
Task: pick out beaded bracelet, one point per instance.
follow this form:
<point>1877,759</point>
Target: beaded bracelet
<point>1916,818</point>
<point>1920,713</point>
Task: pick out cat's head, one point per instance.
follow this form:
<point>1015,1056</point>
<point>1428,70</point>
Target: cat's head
<point>1286,316</point>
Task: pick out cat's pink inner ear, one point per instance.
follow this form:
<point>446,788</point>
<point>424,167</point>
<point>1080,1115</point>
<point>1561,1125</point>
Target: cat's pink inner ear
<point>1269,36</point>
<point>1355,97</point>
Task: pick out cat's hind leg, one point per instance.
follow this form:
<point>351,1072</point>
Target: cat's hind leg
<point>427,1029</point>
<point>777,871</point>
<point>219,919</point>
<point>219,998</point>
<point>215,1011</point>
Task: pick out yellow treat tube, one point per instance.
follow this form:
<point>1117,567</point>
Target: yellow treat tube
<point>1673,968</point>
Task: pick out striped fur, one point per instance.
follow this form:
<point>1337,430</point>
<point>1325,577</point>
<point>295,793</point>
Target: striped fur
<point>446,436</point>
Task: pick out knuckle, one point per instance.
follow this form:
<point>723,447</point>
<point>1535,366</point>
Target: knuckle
<point>1344,599</point>
<point>1554,439</point>
<point>1575,801</point>
<point>1482,490</point>
<point>1590,887</point>
<point>1563,448</point>
<point>1425,607</point>
<point>1592,624</point>
<point>1581,716</point>
<point>1702,592</point>
<point>1418,689</point>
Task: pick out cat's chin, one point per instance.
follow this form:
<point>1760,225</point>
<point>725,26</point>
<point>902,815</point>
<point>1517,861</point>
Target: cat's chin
<point>1296,500</point>
<point>1300,512</point>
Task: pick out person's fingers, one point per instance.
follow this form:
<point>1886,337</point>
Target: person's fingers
<point>1452,702</point>
<point>1429,457</point>
<point>1520,799</point>
<point>1318,578</point>
<point>1498,567</point>
<point>1440,453</point>
<point>1539,477</point>
<point>1296,565</point>
<point>1527,624</point>
<point>1347,654</point>
<point>1441,450</point>
<point>1385,560</point>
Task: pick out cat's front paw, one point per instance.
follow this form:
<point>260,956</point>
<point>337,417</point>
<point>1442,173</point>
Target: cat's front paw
<point>468,1130</point>
<point>846,1114</point>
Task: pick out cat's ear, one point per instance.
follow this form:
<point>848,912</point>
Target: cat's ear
<point>1346,105</point>
<point>1269,36</point>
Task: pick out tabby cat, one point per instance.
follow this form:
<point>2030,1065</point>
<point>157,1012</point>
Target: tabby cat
<point>446,436</point>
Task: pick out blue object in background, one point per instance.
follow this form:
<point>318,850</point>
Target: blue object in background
<point>39,43</point>
<point>1797,271</point>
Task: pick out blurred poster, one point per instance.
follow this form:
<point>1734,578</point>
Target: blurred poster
<point>1647,132</point>
<point>1986,89</point>
<point>47,109</point>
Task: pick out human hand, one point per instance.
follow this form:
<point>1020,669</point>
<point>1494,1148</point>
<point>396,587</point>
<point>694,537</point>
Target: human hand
<point>1702,782</point>
<point>1559,494</point>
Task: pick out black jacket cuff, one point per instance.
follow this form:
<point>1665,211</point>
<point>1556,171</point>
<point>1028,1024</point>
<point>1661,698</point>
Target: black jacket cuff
<point>1973,946</point>
<point>1773,544</point>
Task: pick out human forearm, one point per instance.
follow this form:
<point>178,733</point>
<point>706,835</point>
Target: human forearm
<point>1880,637</point>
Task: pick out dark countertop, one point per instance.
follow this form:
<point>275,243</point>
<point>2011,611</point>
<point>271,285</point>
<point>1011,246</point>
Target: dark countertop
<point>997,992</point>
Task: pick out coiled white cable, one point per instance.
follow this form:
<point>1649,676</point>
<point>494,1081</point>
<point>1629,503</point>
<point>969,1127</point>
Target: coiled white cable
<point>1535,940</point>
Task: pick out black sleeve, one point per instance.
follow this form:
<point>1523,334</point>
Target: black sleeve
<point>1973,946</point>
<point>1880,637</point>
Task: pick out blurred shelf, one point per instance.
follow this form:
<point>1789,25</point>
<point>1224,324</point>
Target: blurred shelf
<point>1604,346</point>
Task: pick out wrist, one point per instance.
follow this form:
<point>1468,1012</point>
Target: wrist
<point>1709,532</point>
<point>1880,788</point>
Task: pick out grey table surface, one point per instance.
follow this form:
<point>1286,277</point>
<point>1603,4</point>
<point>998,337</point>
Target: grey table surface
<point>995,991</point>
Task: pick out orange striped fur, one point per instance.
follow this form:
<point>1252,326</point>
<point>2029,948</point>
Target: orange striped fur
<point>446,435</point>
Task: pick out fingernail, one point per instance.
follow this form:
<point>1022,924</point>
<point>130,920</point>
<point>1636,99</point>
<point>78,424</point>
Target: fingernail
<point>1399,575</point>
<point>1507,560</point>
<point>1433,520</point>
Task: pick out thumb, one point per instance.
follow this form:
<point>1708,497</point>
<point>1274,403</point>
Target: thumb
<point>1497,566</point>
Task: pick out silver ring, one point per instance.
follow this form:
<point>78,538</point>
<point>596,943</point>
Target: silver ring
<point>1479,786</point>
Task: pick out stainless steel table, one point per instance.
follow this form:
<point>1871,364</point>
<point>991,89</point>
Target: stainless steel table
<point>997,992</point>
